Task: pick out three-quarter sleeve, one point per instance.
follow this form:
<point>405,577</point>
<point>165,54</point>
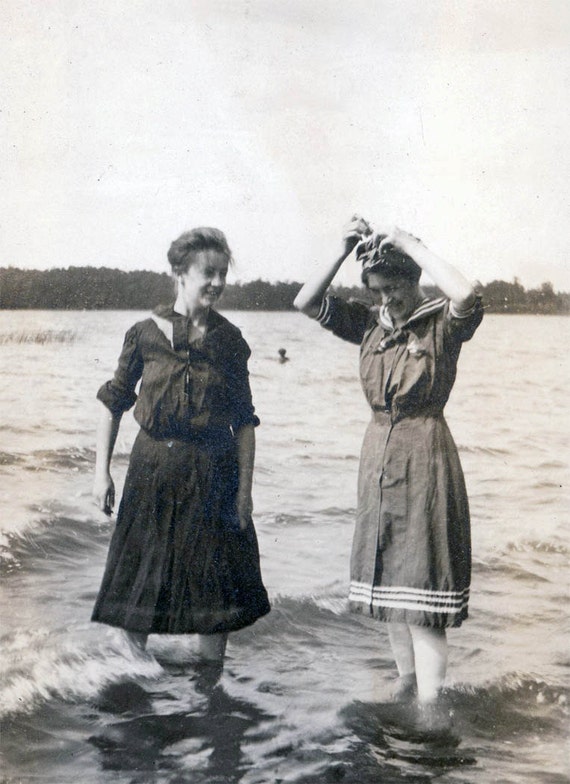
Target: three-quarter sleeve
<point>118,394</point>
<point>461,324</point>
<point>346,320</point>
<point>239,390</point>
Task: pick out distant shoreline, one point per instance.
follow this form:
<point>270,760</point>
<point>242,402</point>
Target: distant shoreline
<point>102,288</point>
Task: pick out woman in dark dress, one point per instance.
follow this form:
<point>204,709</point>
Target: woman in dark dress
<point>183,558</point>
<point>411,556</point>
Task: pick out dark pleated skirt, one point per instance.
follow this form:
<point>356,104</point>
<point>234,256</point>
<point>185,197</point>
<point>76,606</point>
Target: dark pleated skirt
<point>178,562</point>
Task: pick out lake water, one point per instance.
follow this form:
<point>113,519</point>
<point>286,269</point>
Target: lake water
<point>302,698</point>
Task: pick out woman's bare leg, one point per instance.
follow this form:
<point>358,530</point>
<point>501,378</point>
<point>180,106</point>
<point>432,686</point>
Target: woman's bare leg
<point>430,655</point>
<point>402,648</point>
<point>212,647</point>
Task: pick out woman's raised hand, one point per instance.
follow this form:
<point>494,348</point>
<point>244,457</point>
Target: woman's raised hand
<point>355,230</point>
<point>398,239</point>
<point>310,297</point>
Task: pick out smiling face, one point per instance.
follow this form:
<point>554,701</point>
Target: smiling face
<point>203,283</point>
<point>399,295</point>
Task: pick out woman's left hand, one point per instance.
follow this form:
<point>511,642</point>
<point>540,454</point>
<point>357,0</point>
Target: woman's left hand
<point>355,230</point>
<point>399,240</point>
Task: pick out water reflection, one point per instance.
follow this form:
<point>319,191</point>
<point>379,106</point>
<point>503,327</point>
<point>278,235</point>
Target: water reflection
<point>206,740</point>
<point>398,741</point>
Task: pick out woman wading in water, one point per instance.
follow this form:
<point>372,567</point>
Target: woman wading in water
<point>183,557</point>
<point>411,555</point>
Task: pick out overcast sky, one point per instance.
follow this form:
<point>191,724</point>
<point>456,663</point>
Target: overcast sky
<point>125,122</point>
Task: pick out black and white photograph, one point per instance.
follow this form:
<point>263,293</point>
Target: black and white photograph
<point>284,459</point>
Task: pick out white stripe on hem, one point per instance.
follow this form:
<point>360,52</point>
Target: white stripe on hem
<point>404,589</point>
<point>409,598</point>
<point>433,608</point>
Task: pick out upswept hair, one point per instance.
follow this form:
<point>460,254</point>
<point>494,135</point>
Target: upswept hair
<point>203,238</point>
<point>387,261</point>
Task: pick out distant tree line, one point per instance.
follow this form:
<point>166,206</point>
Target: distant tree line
<point>101,288</point>
<point>502,297</point>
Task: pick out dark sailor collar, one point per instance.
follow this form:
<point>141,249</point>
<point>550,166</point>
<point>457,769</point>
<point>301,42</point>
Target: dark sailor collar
<point>427,307</point>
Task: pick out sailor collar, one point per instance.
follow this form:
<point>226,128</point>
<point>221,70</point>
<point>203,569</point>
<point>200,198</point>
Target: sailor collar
<point>427,307</point>
<point>174,325</point>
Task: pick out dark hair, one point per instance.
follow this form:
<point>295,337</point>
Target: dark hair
<point>203,238</point>
<point>388,261</point>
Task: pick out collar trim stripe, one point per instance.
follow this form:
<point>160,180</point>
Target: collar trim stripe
<point>426,308</point>
<point>165,326</point>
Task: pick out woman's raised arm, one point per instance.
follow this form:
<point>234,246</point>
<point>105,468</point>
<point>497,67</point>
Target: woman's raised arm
<point>310,297</point>
<point>452,283</point>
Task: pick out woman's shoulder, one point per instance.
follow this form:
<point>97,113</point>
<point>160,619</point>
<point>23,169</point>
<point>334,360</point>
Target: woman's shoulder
<point>225,338</point>
<point>352,306</point>
<point>225,326</point>
<point>144,330</point>
<point>142,326</point>
<point>347,319</point>
<point>135,329</point>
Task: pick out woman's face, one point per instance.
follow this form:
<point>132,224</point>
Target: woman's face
<point>205,280</point>
<point>399,295</point>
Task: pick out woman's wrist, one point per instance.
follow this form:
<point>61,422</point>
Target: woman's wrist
<point>245,487</point>
<point>411,245</point>
<point>102,470</point>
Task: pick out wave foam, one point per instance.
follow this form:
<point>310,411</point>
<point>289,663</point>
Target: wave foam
<point>39,667</point>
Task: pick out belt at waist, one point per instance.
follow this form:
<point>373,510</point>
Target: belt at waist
<point>389,416</point>
<point>212,436</point>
